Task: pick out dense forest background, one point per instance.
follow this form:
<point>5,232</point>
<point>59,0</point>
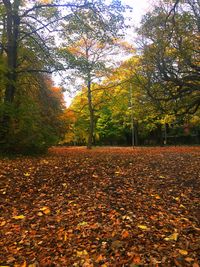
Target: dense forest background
<point>146,95</point>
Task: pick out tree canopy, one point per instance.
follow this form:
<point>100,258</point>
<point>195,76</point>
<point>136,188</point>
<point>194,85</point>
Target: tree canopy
<point>140,98</point>
<point>29,52</point>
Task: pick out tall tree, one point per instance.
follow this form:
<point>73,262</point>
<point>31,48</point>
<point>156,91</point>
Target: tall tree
<point>170,46</point>
<point>90,45</point>
<point>27,28</point>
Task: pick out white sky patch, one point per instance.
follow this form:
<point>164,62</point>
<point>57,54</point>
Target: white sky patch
<point>140,7</point>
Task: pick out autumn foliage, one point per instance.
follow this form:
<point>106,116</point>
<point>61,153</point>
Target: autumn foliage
<point>103,207</point>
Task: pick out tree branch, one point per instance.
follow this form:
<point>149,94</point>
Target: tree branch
<point>54,5</point>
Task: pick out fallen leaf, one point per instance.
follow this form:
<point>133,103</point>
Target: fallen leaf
<point>188,259</point>
<point>88,263</point>
<point>173,237</point>
<point>64,185</point>
<point>20,265</point>
<point>183,252</point>
<point>45,161</point>
<point>19,217</point>
<point>99,258</point>
<point>136,259</point>
<point>43,208</point>
<point>65,237</point>
<point>125,234</point>
<point>82,224</point>
<point>143,227</point>
<point>2,224</point>
<point>81,253</point>
<point>46,210</point>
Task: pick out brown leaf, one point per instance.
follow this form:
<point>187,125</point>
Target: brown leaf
<point>183,252</point>
<point>99,258</point>
<point>125,234</point>
<point>2,224</point>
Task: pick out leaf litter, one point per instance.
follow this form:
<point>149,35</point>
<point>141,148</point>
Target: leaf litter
<point>101,207</point>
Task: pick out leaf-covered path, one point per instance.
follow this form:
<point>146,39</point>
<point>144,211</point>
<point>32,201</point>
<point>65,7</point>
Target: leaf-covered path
<point>103,207</point>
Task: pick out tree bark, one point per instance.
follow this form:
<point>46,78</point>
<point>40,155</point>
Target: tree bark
<point>12,22</point>
<point>12,34</point>
<point>91,111</point>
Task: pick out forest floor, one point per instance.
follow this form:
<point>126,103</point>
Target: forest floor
<point>101,207</point>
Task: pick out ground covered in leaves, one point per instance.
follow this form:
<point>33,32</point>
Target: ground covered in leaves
<point>101,207</point>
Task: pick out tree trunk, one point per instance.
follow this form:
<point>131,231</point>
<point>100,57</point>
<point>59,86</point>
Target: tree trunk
<point>12,32</point>
<point>136,133</point>
<point>91,111</point>
<point>12,22</point>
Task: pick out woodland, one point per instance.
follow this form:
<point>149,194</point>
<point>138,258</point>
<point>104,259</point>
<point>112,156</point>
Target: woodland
<point>142,94</point>
<point>113,178</point>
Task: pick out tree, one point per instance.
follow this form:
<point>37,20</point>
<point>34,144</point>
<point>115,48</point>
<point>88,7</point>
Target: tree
<point>90,43</point>
<point>28,25</point>
<point>170,49</point>
<point>35,116</point>
<point>27,46</point>
<point>112,102</point>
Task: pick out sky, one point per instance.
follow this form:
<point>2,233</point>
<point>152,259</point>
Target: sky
<point>140,7</point>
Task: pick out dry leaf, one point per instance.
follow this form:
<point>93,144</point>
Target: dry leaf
<point>183,252</point>
<point>173,237</point>
<point>21,265</point>
<point>188,259</point>
<point>136,259</point>
<point>33,265</point>
<point>46,210</point>
<point>2,224</point>
<point>82,253</point>
<point>125,234</point>
<point>143,227</point>
<point>19,217</point>
<point>99,258</point>
<point>65,237</point>
<point>82,224</point>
